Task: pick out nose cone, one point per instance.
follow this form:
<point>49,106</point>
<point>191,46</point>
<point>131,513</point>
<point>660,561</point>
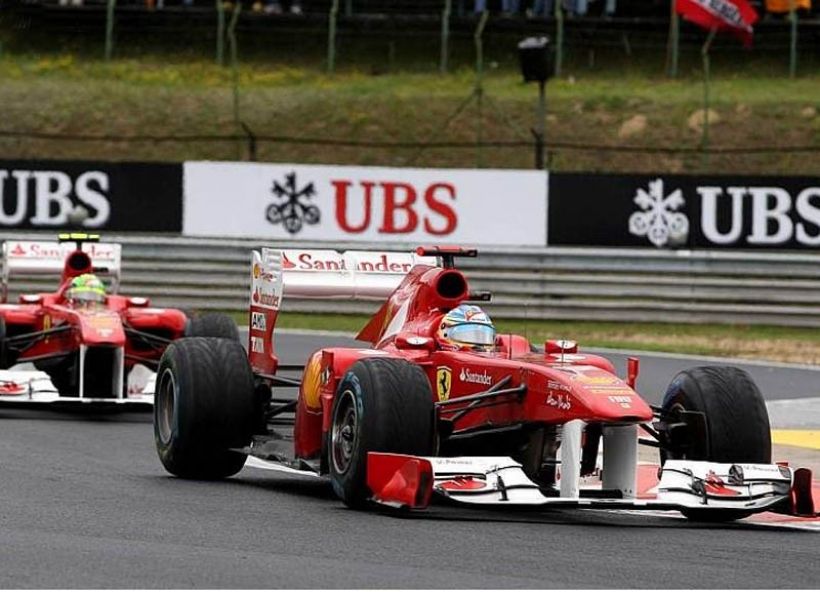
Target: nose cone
<point>101,327</point>
<point>599,395</point>
<point>617,404</point>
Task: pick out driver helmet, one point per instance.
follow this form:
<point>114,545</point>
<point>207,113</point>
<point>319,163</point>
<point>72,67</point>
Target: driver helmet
<point>86,289</point>
<point>466,327</point>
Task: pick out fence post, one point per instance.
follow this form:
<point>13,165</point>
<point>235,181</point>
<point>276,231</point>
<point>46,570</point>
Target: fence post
<point>559,38</point>
<point>348,7</point>
<point>220,33</point>
<point>704,141</point>
<point>445,36</point>
<point>479,83</point>
<point>251,141</point>
<point>673,48</point>
<point>793,42</point>
<point>541,129</point>
<point>331,37</point>
<point>235,63</point>
<point>109,29</point>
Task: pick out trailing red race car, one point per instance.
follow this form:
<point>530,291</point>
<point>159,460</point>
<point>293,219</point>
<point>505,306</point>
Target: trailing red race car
<point>441,404</point>
<point>84,339</point>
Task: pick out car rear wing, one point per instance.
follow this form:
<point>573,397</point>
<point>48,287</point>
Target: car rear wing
<point>275,273</point>
<point>24,257</point>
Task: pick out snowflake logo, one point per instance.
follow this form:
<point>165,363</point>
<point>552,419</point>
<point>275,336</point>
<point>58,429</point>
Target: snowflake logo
<point>292,208</point>
<point>659,221</point>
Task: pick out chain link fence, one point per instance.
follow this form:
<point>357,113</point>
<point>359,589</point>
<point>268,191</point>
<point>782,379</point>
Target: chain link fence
<point>381,37</point>
<point>385,35</point>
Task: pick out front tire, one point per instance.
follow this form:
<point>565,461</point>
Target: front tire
<point>212,324</point>
<point>64,374</point>
<point>736,426</point>
<point>381,405</point>
<point>203,408</point>
<point>8,355</point>
<point>3,347</point>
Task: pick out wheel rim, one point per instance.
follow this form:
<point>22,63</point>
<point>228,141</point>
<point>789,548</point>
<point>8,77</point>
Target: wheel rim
<point>166,405</point>
<point>344,434</point>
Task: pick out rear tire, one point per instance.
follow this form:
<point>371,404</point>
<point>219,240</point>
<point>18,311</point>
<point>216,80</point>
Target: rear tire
<point>212,324</point>
<point>737,423</point>
<point>381,405</point>
<point>204,407</point>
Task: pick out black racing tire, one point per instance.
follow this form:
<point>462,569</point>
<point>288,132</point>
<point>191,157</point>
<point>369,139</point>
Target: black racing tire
<point>4,362</point>
<point>62,381</point>
<point>212,324</point>
<point>8,357</point>
<point>203,408</point>
<point>737,426</point>
<point>381,405</point>
<point>63,374</point>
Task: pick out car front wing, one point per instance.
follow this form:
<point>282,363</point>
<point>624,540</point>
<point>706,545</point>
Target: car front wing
<point>33,388</point>
<point>410,482</point>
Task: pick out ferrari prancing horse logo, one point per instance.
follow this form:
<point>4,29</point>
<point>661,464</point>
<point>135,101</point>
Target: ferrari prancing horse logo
<point>46,326</point>
<point>444,380</point>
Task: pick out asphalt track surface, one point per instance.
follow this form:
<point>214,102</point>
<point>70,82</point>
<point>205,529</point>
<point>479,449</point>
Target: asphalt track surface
<point>85,503</point>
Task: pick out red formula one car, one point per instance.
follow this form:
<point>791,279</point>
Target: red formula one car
<point>498,423</point>
<point>83,349</point>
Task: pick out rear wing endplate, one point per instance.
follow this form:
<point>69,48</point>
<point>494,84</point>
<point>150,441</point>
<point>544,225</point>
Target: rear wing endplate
<point>275,273</point>
<point>22,257</point>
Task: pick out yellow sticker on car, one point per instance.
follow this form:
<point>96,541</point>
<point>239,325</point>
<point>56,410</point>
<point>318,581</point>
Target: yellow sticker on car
<point>444,380</point>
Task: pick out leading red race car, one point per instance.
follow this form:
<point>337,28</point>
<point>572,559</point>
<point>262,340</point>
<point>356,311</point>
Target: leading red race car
<point>499,422</point>
<point>84,348</point>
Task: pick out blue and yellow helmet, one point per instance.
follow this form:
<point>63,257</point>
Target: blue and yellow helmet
<point>467,327</point>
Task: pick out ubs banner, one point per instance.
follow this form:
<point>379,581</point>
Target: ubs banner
<point>684,211</point>
<point>43,195</point>
<point>371,204</point>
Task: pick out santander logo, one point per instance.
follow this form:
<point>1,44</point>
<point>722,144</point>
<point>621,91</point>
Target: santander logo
<point>320,261</point>
<point>287,263</point>
<point>468,375</point>
<point>265,298</point>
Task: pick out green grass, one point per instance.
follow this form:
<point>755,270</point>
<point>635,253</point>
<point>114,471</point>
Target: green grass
<point>787,344</point>
<point>187,95</point>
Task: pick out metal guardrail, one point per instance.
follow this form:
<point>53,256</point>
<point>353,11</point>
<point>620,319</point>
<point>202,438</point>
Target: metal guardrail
<point>550,283</point>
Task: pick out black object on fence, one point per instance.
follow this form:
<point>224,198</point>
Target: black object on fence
<point>537,60</point>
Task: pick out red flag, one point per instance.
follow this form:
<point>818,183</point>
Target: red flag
<point>733,16</point>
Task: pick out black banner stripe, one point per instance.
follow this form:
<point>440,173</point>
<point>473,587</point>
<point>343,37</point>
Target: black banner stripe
<point>43,195</point>
<point>684,211</point>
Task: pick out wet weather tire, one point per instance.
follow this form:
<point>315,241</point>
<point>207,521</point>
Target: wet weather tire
<point>204,407</point>
<point>212,324</point>
<point>737,423</point>
<point>381,405</point>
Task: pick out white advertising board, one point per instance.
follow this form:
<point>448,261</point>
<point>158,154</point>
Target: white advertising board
<point>367,204</point>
